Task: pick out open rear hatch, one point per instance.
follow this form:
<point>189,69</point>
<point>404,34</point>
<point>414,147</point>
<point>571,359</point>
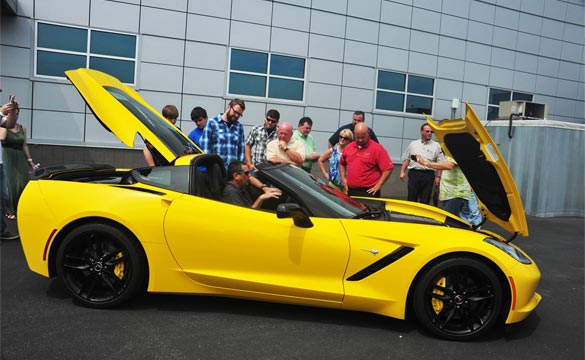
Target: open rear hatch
<point>468,142</point>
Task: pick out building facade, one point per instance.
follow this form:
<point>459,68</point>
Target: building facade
<point>324,59</point>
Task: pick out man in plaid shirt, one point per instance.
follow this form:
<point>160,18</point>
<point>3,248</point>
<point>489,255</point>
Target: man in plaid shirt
<point>224,134</point>
<point>258,137</point>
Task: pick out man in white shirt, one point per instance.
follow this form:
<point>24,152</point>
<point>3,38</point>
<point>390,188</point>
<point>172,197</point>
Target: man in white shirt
<point>284,148</point>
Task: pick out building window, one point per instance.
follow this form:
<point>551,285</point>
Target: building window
<point>497,95</point>
<point>60,48</point>
<point>266,75</point>
<point>404,93</point>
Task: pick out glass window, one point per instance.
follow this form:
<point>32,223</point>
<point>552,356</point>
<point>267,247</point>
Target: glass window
<point>249,61</point>
<point>287,66</point>
<point>266,75</point>
<point>62,38</point>
<point>286,89</point>
<point>393,88</point>
<point>245,84</point>
<point>107,43</point>
<point>389,101</point>
<point>521,96</point>
<point>419,104</point>
<point>420,85</point>
<point>391,81</point>
<point>60,48</point>
<point>55,64</point>
<point>123,70</point>
<point>498,95</point>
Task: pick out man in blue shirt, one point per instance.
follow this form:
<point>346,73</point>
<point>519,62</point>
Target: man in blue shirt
<point>199,117</point>
<point>224,134</point>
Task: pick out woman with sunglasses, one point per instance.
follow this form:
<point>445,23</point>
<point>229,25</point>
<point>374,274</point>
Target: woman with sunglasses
<point>333,154</point>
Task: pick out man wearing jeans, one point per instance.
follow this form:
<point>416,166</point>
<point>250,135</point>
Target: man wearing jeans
<point>8,118</point>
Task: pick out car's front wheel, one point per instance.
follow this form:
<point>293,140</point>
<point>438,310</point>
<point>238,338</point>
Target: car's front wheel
<point>101,265</point>
<point>458,299</point>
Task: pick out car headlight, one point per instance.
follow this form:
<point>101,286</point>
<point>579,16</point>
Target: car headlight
<point>509,249</point>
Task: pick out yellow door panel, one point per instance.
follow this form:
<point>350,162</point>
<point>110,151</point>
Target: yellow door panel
<point>253,250</point>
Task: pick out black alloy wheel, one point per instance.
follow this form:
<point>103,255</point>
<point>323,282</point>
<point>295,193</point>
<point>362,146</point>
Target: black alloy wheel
<point>459,299</point>
<point>101,265</point>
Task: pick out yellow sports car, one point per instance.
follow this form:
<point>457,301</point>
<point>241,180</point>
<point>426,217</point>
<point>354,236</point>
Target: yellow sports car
<point>113,233</point>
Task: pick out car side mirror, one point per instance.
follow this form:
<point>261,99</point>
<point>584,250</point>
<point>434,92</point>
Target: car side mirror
<point>294,211</point>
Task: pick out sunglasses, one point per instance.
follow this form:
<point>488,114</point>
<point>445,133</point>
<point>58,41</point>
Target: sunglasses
<point>344,138</point>
<point>272,121</point>
<point>244,172</point>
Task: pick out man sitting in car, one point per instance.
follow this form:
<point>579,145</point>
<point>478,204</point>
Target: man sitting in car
<point>236,192</point>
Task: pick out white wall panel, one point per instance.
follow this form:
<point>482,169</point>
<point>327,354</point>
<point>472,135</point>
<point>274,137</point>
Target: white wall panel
<point>393,59</point>
<point>360,53</point>
<point>216,8</point>
<point>161,77</point>
<point>426,20</point>
<point>254,11</point>
<point>291,17</point>
<point>323,71</point>
<point>394,36</point>
<point>250,36</point>
<point>162,50</point>
<point>77,11</point>
<point>325,23</point>
<point>163,23</point>
<point>323,95</point>
<point>204,82</point>
<point>115,16</point>
<point>352,98</point>
<point>362,30</point>
<point>206,56</point>
<point>359,76</point>
<point>62,127</point>
<point>325,47</point>
<point>208,29</point>
<point>289,42</point>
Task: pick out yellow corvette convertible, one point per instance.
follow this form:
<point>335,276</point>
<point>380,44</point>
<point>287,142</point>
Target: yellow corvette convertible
<point>111,234</point>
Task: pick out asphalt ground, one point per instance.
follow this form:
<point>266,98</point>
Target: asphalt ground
<point>40,321</point>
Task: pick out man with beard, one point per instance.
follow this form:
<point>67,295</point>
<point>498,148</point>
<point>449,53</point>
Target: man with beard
<point>224,134</point>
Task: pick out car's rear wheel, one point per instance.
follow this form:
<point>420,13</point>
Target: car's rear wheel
<point>101,265</point>
<point>458,299</point>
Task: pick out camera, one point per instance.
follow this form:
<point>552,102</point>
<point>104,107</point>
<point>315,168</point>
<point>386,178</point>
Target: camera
<point>11,98</point>
<point>413,157</point>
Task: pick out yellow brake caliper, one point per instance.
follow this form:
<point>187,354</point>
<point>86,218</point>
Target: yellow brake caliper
<point>438,304</point>
<point>119,268</point>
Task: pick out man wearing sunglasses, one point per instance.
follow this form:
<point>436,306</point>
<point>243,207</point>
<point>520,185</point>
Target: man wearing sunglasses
<point>224,134</point>
<point>236,189</point>
<point>259,136</point>
<point>421,178</point>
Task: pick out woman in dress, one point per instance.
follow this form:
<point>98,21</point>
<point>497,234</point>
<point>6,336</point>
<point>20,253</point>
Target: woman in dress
<point>333,154</point>
<point>17,164</point>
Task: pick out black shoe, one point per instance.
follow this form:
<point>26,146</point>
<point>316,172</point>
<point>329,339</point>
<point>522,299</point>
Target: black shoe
<point>7,235</point>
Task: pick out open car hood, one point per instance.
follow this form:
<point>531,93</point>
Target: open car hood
<point>468,142</point>
<point>122,111</point>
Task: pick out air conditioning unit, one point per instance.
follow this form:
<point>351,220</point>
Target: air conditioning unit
<point>523,110</point>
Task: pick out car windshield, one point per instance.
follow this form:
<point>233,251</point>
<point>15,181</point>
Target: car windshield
<point>164,130</point>
<point>317,197</point>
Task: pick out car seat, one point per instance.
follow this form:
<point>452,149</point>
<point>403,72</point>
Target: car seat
<point>208,176</point>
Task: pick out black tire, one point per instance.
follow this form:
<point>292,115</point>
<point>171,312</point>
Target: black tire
<point>458,299</point>
<point>101,265</point>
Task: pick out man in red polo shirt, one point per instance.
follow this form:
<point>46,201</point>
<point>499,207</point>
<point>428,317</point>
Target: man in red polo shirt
<point>365,165</point>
